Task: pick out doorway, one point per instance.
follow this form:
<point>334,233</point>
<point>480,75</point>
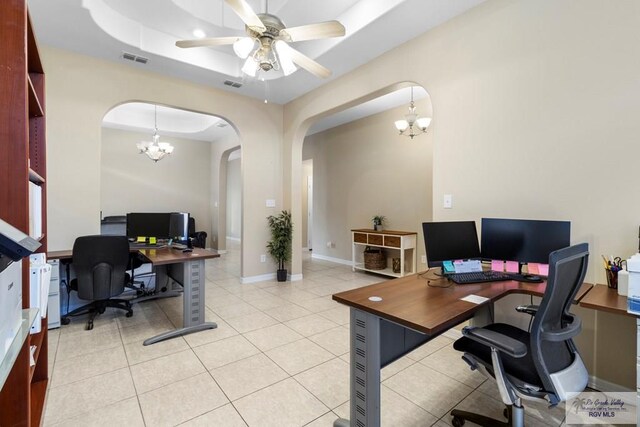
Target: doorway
<point>307,205</point>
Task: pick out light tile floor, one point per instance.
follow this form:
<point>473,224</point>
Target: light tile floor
<point>279,357</point>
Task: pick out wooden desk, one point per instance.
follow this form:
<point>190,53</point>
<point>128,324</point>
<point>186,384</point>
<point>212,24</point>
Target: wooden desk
<point>410,313</point>
<point>603,298</point>
<point>187,268</point>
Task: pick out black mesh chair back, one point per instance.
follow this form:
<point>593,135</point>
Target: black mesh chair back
<point>100,263</point>
<point>553,326</point>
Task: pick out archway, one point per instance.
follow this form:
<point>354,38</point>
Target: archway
<point>336,237</point>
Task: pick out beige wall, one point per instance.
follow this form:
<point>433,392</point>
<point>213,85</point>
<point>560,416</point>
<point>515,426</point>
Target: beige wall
<point>131,182</point>
<point>307,172</point>
<point>364,168</point>
<point>80,91</point>
<point>234,199</point>
<point>535,116</point>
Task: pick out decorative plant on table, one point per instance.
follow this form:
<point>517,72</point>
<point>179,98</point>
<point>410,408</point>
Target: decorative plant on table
<point>279,246</point>
<point>378,221</point>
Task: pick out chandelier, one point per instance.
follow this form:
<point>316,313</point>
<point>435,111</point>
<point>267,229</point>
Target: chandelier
<point>412,123</point>
<point>155,149</point>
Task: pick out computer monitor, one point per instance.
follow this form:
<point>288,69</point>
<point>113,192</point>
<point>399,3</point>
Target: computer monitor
<point>523,240</point>
<point>179,226</point>
<point>148,225</point>
<point>447,241</point>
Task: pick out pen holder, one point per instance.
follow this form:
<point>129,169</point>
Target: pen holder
<point>612,278</point>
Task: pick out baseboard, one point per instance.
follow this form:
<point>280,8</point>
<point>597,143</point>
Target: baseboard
<point>603,385</point>
<point>332,259</point>
<point>259,278</point>
<point>221,251</point>
<point>295,277</point>
<point>233,239</point>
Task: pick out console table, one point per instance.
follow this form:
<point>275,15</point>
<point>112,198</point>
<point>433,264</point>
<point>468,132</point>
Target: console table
<point>397,244</point>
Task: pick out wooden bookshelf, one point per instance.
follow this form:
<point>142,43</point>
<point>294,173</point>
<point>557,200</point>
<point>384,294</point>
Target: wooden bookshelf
<point>22,160</point>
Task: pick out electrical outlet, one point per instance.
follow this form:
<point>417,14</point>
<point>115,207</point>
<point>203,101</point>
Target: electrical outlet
<point>328,244</point>
<point>423,259</point>
<point>271,203</point>
<point>263,258</point>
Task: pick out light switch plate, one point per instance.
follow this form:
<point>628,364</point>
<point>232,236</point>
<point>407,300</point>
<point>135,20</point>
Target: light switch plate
<point>448,201</point>
<point>271,203</point>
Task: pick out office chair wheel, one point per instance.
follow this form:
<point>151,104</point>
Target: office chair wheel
<point>129,314</point>
<point>457,421</point>
<point>505,413</point>
<point>89,325</point>
<point>65,320</point>
<point>163,289</point>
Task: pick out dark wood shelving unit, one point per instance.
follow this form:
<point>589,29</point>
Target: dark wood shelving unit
<point>23,160</point>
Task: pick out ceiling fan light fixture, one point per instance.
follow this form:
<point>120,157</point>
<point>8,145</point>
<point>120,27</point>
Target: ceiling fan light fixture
<point>244,46</point>
<point>284,57</point>
<point>250,67</point>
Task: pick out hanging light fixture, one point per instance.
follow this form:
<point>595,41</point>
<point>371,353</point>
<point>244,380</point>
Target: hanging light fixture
<point>412,123</point>
<point>155,149</point>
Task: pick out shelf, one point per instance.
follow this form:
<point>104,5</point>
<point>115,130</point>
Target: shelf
<point>36,339</point>
<point>35,109</point>
<point>379,246</point>
<point>6,364</point>
<point>35,178</point>
<point>38,394</point>
<point>34,65</point>
<point>387,271</point>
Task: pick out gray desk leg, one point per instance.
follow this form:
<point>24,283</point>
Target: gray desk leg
<point>483,316</point>
<point>193,304</point>
<point>365,371</point>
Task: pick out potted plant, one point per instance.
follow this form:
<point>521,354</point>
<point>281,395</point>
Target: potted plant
<point>378,220</point>
<point>279,246</point>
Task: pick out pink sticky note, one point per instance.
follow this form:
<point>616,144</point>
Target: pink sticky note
<point>512,266</point>
<point>497,265</point>
<point>543,269</point>
<point>533,268</point>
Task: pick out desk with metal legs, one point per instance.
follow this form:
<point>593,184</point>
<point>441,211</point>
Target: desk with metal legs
<point>187,268</point>
<point>407,313</point>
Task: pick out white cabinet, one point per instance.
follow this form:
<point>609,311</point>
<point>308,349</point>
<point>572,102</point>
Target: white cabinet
<point>54,295</point>
<point>395,244</point>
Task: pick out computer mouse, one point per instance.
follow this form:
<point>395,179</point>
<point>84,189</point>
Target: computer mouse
<point>533,277</point>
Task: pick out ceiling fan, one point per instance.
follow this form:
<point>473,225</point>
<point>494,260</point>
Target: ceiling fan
<point>273,38</point>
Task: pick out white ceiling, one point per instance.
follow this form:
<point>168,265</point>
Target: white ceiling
<point>150,28</point>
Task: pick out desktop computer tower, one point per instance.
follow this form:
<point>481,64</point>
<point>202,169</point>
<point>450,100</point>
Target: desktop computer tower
<point>10,304</point>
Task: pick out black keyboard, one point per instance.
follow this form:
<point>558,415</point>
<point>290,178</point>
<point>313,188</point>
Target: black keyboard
<point>479,277</point>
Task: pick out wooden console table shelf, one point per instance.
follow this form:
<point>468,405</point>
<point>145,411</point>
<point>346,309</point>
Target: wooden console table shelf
<point>397,244</point>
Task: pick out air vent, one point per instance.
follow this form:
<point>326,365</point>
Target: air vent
<point>232,83</point>
<point>135,58</point>
<point>221,124</point>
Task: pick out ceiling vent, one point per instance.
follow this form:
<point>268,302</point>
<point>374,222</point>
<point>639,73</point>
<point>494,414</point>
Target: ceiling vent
<point>135,58</point>
<point>232,83</point>
<point>221,124</point>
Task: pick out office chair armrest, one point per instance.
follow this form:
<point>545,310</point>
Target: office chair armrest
<point>569,331</point>
<point>529,309</point>
<point>493,339</point>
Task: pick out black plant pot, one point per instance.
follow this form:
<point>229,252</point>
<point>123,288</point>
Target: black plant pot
<point>282,275</point>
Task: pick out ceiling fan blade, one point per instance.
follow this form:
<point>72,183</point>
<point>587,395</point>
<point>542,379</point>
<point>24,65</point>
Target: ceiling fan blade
<point>321,30</point>
<point>308,64</point>
<point>214,41</point>
<point>246,13</point>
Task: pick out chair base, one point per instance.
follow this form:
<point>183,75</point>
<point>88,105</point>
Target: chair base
<point>97,307</point>
<point>513,414</point>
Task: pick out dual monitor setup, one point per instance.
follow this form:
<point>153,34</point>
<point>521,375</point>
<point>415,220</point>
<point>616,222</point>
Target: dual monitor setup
<point>158,226</point>
<point>523,241</point>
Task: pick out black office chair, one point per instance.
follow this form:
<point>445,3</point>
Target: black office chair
<point>543,364</point>
<point>198,238</point>
<point>100,263</point>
